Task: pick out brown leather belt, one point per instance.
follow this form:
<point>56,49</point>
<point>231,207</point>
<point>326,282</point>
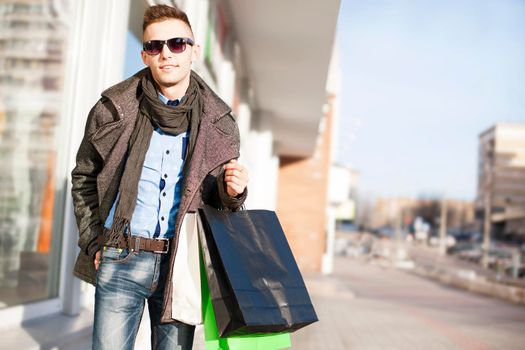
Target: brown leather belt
<point>138,243</point>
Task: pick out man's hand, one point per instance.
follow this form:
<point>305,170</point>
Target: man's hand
<point>235,177</point>
<point>97,260</point>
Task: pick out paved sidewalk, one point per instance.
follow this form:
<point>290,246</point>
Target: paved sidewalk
<point>364,306</point>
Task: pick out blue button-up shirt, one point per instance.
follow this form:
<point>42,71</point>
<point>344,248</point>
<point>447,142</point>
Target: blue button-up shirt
<point>159,188</point>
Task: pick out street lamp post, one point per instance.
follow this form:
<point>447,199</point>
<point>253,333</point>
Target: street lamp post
<point>443,227</point>
<point>487,220</point>
<point>400,252</point>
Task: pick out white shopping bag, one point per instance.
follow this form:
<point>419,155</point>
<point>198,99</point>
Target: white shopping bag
<point>186,304</point>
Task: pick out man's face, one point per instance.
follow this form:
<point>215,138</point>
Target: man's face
<point>168,68</point>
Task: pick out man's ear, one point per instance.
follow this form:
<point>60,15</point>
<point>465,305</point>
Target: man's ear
<point>143,56</point>
<point>195,53</point>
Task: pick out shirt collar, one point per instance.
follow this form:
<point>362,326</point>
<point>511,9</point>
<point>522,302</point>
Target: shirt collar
<point>165,100</point>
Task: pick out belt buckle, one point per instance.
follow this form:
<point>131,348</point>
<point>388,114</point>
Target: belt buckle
<point>136,248</point>
<point>167,246</point>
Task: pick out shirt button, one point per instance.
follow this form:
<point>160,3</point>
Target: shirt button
<point>168,152</point>
<point>165,176</point>
<point>163,194</point>
<point>162,218</point>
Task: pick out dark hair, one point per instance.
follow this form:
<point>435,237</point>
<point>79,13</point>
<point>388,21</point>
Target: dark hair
<point>159,13</point>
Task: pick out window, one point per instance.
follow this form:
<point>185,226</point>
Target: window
<point>30,99</point>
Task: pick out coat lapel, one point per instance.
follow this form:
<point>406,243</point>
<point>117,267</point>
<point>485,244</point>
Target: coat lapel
<point>212,149</point>
<point>111,143</point>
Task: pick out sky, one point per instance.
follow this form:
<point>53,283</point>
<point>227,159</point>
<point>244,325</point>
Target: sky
<point>421,80</point>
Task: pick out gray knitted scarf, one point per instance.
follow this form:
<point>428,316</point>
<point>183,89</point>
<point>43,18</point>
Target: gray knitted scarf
<point>152,114</point>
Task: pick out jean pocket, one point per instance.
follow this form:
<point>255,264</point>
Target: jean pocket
<point>112,255</point>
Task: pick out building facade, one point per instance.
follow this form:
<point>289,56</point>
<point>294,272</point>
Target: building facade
<point>56,56</point>
<point>389,212</point>
<point>501,179</point>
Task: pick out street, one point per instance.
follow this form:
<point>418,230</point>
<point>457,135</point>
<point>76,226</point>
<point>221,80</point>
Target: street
<point>366,306</point>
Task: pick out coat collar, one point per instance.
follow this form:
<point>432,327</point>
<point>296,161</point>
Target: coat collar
<point>125,97</point>
<point>212,147</point>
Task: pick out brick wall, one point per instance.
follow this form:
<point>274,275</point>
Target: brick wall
<point>302,200</point>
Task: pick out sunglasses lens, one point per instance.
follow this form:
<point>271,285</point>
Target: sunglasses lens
<point>153,47</point>
<point>176,45</point>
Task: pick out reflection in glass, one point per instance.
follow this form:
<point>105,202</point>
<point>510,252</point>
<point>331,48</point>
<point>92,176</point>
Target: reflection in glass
<point>32,46</point>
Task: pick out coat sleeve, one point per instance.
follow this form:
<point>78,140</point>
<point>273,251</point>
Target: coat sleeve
<point>84,187</point>
<point>228,125</point>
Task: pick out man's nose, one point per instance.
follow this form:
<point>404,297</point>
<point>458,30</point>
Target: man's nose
<point>165,52</point>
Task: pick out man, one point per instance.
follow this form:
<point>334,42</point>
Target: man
<point>156,146</point>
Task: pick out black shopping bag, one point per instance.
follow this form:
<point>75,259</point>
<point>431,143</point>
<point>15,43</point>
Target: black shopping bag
<point>255,284</point>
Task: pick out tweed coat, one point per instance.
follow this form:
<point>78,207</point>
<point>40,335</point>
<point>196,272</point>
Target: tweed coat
<point>101,158</point>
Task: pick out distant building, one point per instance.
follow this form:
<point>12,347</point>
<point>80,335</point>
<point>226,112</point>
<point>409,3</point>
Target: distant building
<point>386,212</point>
<point>501,175</point>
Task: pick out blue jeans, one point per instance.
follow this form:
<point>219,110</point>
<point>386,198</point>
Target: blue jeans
<point>124,281</point>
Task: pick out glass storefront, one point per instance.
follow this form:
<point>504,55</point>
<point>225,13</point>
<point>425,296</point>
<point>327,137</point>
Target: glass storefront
<point>33,37</point>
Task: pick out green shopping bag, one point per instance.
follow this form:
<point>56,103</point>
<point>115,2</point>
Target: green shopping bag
<point>244,342</point>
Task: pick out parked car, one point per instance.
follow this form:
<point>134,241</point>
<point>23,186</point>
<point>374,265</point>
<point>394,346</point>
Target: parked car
<point>450,241</point>
<point>462,236</point>
<point>346,226</point>
<point>463,246</point>
<point>521,271</point>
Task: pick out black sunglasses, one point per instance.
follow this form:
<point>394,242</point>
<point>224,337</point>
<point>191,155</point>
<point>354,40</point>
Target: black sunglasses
<point>176,45</point>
